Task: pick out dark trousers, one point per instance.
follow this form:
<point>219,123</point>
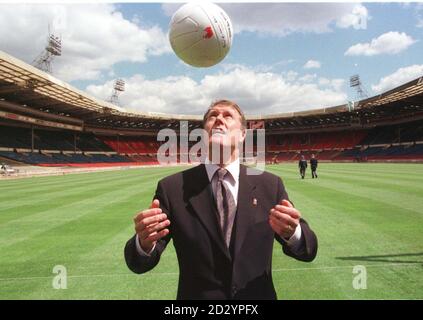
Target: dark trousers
<point>302,172</point>
<point>313,173</point>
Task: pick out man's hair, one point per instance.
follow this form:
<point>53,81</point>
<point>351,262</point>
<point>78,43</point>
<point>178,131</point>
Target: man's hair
<point>226,103</point>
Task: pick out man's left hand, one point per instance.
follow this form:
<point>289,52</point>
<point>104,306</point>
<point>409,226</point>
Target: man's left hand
<point>284,219</point>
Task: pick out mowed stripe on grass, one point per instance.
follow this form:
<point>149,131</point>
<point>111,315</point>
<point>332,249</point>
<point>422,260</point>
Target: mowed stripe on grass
<point>77,222</point>
<point>358,222</point>
<point>363,214</point>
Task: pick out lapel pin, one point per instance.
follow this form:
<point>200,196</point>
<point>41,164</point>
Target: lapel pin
<point>254,202</point>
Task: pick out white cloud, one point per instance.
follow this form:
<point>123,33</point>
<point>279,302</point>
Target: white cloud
<point>419,15</point>
<point>312,64</point>
<point>356,19</point>
<point>94,37</point>
<point>391,42</point>
<point>337,84</point>
<point>256,92</point>
<point>259,67</point>
<point>307,78</point>
<point>285,18</point>
<point>399,77</point>
<point>323,81</point>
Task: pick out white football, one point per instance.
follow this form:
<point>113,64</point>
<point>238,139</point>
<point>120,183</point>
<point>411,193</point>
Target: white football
<point>200,34</point>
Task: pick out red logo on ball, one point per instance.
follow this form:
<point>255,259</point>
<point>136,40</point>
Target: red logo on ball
<point>208,33</point>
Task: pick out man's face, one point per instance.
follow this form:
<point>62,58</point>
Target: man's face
<point>223,126</point>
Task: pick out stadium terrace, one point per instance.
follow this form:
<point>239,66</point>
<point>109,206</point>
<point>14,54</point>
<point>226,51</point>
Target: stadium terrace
<point>45,122</point>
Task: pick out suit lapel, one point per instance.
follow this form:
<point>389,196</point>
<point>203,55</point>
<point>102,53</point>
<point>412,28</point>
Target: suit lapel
<point>201,200</point>
<point>245,214</point>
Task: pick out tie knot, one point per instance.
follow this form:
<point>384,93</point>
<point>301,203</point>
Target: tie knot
<point>221,173</point>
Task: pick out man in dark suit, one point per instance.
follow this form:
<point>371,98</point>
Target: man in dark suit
<point>302,164</point>
<point>313,165</point>
<point>223,219</point>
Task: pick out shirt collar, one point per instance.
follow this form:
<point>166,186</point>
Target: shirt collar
<point>233,169</point>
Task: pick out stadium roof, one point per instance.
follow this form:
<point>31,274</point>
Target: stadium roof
<point>35,85</point>
<point>28,90</point>
<point>407,91</point>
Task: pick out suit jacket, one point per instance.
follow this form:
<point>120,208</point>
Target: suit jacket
<point>208,269</point>
<point>302,164</point>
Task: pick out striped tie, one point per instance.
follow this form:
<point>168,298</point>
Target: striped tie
<point>226,206</point>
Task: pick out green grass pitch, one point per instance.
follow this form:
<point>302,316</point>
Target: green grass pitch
<point>363,214</point>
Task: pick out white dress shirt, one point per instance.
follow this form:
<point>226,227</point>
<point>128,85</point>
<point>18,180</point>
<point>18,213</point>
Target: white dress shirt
<point>231,180</point>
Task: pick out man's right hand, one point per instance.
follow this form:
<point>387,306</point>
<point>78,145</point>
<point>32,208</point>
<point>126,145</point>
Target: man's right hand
<point>150,226</point>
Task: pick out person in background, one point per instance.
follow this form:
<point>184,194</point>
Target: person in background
<point>313,166</point>
<point>302,164</point>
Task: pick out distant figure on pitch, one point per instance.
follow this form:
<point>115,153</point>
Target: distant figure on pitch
<point>6,169</point>
<point>313,165</point>
<point>302,164</point>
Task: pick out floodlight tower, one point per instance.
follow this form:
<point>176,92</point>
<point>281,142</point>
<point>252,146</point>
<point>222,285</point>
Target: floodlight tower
<point>53,49</point>
<point>118,88</point>
<point>356,83</point>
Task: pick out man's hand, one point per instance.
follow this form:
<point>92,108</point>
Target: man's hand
<point>284,219</point>
<point>150,224</point>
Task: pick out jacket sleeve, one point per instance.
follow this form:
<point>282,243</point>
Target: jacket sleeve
<point>141,264</point>
<point>308,250</point>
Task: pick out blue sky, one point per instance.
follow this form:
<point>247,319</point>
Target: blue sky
<point>285,56</point>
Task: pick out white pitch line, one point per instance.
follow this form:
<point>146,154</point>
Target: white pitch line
<point>350,267</point>
<point>176,273</point>
<point>83,276</point>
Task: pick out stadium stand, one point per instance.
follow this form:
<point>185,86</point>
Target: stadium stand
<point>409,132</point>
<point>45,121</point>
<point>47,147</point>
<point>133,145</point>
<point>398,152</point>
<point>21,138</point>
<point>316,141</point>
<point>391,142</point>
